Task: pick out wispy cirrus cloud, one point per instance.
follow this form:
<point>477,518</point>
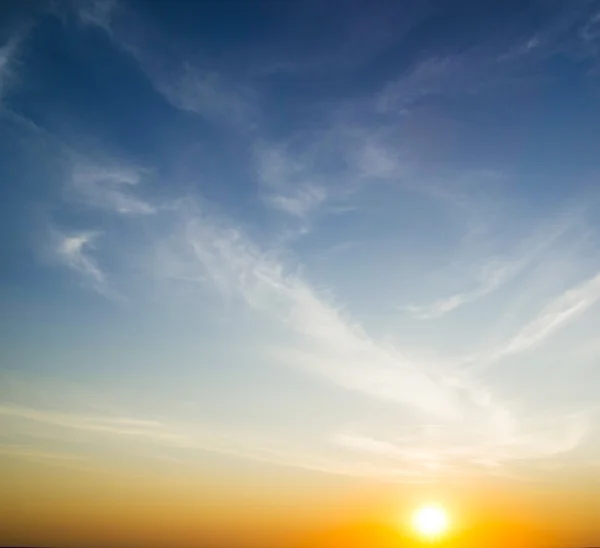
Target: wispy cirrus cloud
<point>190,85</point>
<point>496,272</point>
<point>435,450</point>
<point>109,188</point>
<point>337,349</point>
<point>207,93</point>
<point>289,183</point>
<point>506,62</point>
<point>31,452</point>
<point>8,55</point>
<point>590,31</point>
<point>113,425</point>
<point>97,12</point>
<point>558,313</point>
<point>46,456</point>
<point>300,203</point>
<point>492,276</point>
<point>73,249</point>
<point>433,76</point>
<point>191,438</point>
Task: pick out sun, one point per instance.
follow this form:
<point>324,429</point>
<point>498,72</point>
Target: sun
<point>430,522</point>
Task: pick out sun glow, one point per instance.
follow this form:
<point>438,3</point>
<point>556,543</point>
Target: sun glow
<point>430,522</point>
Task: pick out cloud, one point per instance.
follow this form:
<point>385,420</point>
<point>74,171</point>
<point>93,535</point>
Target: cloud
<point>97,12</point>
<point>333,346</point>
<point>73,250</point>
<point>522,49</point>
<point>474,71</point>
<point>502,61</point>
<point>108,188</point>
<point>338,349</point>
<point>329,170</point>
<point>433,76</point>
<point>493,275</point>
<point>495,272</point>
<point>117,426</point>
<point>30,452</point>
<point>296,180</point>
<point>48,457</point>
<point>288,183</point>
<point>8,53</point>
<point>190,86</point>
<point>561,311</point>
<point>329,344</point>
<point>70,250</point>
<point>431,450</point>
<point>207,93</point>
<point>187,437</point>
<point>590,31</point>
<point>300,203</point>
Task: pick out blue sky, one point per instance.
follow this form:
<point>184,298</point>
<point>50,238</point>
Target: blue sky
<point>357,238</point>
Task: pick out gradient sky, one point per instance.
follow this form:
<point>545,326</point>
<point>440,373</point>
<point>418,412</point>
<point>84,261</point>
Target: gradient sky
<point>316,259</point>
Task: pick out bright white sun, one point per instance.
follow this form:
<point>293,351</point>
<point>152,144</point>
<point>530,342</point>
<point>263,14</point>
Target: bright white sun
<point>430,522</point>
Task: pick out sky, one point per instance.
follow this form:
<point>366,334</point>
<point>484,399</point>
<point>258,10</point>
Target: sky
<point>299,266</point>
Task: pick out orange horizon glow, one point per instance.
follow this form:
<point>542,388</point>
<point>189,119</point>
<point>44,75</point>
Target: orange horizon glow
<point>61,507</point>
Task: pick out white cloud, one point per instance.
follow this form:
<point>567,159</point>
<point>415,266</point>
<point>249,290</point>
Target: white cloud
<point>442,75</point>
<point>329,170</point>
<point>49,457</point>
<point>480,427</point>
<point>301,202</point>
<point>8,53</point>
<point>109,188</point>
<point>558,313</point>
<point>74,250</point>
<point>188,86</point>
<point>97,12</point>
<point>208,94</point>
<point>495,273</point>
<point>374,160</point>
<point>522,49</point>
<point>492,276</point>
<point>440,449</point>
<point>30,452</point>
<point>187,437</point>
<point>531,438</point>
<point>120,426</point>
<point>288,181</point>
<point>591,30</point>
<point>71,250</point>
<point>333,346</point>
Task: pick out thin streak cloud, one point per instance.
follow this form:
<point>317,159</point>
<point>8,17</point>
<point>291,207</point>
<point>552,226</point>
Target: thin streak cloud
<point>8,56</point>
<point>561,311</point>
<point>73,251</point>
<point>109,188</point>
<point>496,272</point>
